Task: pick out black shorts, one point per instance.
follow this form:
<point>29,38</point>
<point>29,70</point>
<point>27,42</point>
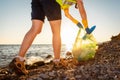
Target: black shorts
<point>49,8</point>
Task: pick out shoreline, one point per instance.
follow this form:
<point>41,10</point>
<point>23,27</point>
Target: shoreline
<point>104,66</point>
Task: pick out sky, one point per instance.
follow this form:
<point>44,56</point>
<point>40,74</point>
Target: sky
<point>15,21</point>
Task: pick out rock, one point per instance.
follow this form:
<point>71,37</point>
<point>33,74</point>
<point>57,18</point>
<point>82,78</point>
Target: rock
<point>48,59</point>
<point>48,56</point>
<point>35,65</point>
<point>78,76</point>
<point>44,76</point>
<point>115,38</point>
<point>69,55</point>
<point>105,66</point>
<point>52,74</point>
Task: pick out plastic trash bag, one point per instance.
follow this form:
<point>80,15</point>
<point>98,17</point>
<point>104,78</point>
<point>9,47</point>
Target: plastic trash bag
<point>84,48</point>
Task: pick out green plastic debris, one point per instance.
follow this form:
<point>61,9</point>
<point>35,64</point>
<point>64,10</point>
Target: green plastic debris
<point>84,49</point>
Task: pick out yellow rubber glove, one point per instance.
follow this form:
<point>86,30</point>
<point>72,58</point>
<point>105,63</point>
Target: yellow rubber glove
<point>85,23</point>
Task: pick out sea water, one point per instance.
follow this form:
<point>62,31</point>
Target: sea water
<point>8,52</point>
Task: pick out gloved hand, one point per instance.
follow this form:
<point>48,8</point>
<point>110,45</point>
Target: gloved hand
<point>88,30</point>
<point>85,23</point>
<point>79,25</point>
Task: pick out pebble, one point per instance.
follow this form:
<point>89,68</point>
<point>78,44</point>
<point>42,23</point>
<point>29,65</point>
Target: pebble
<point>105,66</point>
<point>44,76</point>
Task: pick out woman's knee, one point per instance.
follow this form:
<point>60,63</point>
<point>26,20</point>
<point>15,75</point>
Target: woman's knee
<point>35,29</point>
<point>36,26</point>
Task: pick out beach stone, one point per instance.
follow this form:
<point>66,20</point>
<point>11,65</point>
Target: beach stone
<point>52,74</point>
<point>69,78</point>
<point>105,66</point>
<point>48,59</point>
<point>78,76</point>
<point>115,38</point>
<point>44,76</point>
<point>39,63</point>
<point>35,65</point>
<point>72,78</point>
<point>39,79</point>
<point>68,55</point>
<point>48,56</point>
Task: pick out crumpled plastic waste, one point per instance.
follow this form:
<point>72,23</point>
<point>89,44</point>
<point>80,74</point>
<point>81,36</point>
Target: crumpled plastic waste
<point>84,48</point>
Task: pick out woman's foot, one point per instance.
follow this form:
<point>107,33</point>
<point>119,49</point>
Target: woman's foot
<point>18,66</point>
